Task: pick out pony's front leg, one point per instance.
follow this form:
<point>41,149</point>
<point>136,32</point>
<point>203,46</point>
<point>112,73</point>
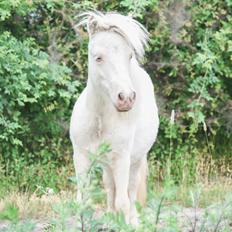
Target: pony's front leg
<point>108,181</point>
<point>121,169</point>
<point>132,191</point>
<point>137,187</point>
<point>81,165</point>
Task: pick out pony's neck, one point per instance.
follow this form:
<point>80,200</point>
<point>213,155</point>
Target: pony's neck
<point>96,99</point>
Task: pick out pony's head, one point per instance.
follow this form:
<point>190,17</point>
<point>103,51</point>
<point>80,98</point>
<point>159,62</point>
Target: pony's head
<point>116,43</point>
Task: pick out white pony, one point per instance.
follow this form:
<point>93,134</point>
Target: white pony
<point>118,107</point>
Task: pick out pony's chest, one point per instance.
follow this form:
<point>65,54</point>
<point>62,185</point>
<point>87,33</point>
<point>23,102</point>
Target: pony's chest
<point>113,130</point>
<point>105,129</point>
<point>102,128</point>
<point>95,133</point>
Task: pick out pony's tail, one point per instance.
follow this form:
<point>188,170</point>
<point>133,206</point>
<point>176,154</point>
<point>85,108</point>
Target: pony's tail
<point>142,188</point>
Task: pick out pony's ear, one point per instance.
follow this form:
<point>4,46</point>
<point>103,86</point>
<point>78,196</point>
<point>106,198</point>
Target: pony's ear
<point>92,25</point>
<point>96,23</point>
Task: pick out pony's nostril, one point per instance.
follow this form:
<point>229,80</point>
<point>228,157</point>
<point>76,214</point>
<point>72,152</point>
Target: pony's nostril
<point>121,96</point>
<point>133,96</point>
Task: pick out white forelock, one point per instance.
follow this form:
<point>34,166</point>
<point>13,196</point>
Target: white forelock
<point>132,31</point>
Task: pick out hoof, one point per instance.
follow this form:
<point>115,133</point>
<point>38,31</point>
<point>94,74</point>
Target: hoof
<point>134,221</point>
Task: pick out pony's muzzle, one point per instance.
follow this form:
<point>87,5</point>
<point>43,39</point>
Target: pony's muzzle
<point>125,101</point>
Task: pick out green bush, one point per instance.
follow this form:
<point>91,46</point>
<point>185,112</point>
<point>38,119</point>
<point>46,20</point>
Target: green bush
<point>35,100</point>
<point>43,68</point>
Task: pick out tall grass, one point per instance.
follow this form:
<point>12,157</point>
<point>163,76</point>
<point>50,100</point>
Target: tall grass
<point>170,207</point>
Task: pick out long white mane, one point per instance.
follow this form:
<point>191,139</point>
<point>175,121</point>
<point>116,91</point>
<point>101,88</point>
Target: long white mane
<point>132,31</point>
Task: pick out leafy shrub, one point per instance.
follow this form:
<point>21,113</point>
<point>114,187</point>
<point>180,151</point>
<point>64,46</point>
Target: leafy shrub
<point>35,96</point>
<point>189,61</point>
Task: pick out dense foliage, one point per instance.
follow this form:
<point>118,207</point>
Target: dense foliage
<point>43,68</point>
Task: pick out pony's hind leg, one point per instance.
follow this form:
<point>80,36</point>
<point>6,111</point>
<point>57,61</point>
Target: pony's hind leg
<point>108,181</point>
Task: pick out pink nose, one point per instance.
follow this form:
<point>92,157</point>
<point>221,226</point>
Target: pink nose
<point>125,101</point>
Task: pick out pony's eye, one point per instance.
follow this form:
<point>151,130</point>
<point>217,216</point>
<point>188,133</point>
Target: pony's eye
<point>131,55</point>
<point>99,59</point>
